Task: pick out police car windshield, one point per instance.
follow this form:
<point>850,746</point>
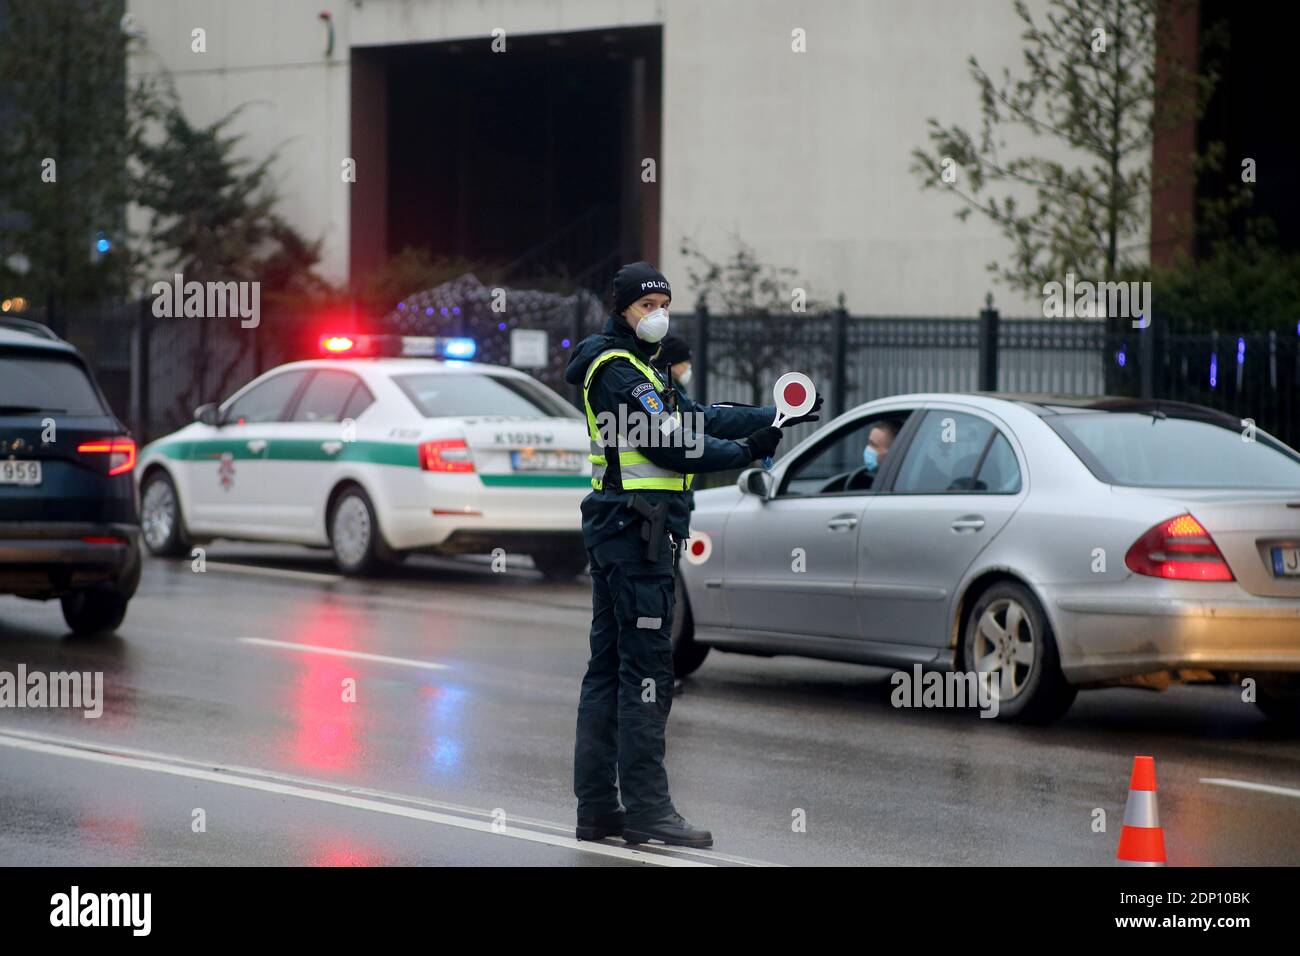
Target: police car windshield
<point>441,395</point>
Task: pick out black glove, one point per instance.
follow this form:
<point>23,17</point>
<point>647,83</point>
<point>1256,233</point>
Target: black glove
<point>812,415</point>
<point>763,442</point>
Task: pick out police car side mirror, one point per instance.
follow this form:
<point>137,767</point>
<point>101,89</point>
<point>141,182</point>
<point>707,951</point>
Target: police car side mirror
<point>207,414</point>
<point>755,481</point>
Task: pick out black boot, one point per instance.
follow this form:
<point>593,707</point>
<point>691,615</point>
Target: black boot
<point>671,829</point>
<point>599,827</point>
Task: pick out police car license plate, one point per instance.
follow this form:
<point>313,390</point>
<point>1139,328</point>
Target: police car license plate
<point>1286,562</point>
<point>532,460</point>
<point>20,472</point>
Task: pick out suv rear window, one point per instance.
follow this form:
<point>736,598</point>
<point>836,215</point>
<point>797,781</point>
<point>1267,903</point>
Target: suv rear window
<point>33,382</point>
<point>439,395</point>
<point>1125,448</point>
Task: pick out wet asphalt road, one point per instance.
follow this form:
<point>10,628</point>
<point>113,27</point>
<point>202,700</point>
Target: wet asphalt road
<point>458,747</point>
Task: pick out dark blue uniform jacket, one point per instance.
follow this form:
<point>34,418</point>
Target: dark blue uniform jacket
<point>605,512</point>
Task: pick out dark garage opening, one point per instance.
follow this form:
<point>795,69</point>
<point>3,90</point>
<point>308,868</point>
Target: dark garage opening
<point>529,158</point>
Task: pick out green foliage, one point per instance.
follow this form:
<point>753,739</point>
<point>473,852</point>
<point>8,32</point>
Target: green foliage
<point>1242,286</point>
<point>1089,214</point>
<point>212,212</point>
<point>63,67</point>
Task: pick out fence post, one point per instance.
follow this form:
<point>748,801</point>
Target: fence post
<point>1147,351</point>
<point>840,387</point>
<point>140,412</point>
<point>988,339</point>
<point>701,364</point>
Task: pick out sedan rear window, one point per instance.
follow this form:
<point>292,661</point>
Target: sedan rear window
<point>441,395</point>
<point>1155,452</point>
<point>31,383</point>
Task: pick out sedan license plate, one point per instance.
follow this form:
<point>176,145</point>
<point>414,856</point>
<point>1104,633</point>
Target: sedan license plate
<point>1286,562</point>
<point>530,460</point>
<point>20,472</point>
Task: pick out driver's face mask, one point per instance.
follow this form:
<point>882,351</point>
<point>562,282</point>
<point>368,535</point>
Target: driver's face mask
<point>870,459</point>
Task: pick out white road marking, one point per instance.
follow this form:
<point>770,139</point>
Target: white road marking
<point>1247,785</point>
<point>339,652</point>
<point>319,791</point>
<point>315,576</point>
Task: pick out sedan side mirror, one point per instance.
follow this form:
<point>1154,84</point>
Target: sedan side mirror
<point>207,414</point>
<point>755,481</point>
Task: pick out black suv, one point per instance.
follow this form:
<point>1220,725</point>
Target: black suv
<point>69,524</point>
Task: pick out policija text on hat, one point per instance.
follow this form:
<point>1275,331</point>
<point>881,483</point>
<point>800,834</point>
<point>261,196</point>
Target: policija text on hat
<point>632,523</point>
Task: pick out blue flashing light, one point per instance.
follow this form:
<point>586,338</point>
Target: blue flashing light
<point>501,326</point>
<point>460,348</point>
<point>1214,370</point>
<point>102,243</point>
<point>1120,358</point>
<point>564,343</point>
<point>1241,351</point>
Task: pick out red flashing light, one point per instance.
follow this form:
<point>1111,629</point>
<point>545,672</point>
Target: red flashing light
<point>334,344</point>
<point>121,452</point>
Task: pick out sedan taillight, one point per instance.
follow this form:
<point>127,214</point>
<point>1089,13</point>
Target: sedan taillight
<point>120,451</point>
<point>446,454</point>
<point>1179,549</point>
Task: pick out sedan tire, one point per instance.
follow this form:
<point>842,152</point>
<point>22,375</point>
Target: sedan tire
<point>1008,636</point>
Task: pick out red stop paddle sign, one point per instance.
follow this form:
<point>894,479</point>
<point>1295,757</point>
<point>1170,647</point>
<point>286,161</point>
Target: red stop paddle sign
<point>698,547</point>
<point>795,394</point>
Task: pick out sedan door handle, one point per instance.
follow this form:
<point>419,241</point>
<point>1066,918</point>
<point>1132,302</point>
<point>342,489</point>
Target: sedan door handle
<point>331,447</point>
<point>968,523</point>
<point>842,522</point>
<point>257,446</point>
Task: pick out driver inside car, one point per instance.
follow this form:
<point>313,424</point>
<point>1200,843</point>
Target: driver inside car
<point>879,441</point>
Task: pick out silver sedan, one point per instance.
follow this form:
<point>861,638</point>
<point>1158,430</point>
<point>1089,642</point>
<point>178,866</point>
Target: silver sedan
<point>1047,543</point>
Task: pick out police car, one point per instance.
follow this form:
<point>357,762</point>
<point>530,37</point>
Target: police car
<point>384,446</point>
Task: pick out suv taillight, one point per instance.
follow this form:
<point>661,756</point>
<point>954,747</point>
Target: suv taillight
<point>446,454</point>
<point>120,451</point>
<point>1179,549</point>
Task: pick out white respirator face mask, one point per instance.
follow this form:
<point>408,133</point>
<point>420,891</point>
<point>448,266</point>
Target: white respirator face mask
<point>685,377</point>
<point>653,326</point>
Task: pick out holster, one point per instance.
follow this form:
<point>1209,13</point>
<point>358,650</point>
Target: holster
<point>652,528</point>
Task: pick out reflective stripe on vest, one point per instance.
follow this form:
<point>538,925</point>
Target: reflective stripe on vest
<point>637,472</point>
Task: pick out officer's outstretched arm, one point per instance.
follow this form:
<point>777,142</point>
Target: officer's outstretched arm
<point>698,453</point>
<point>730,421</point>
<point>622,387</point>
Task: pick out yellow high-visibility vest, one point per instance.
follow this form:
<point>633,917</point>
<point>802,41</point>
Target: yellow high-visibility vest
<point>637,472</point>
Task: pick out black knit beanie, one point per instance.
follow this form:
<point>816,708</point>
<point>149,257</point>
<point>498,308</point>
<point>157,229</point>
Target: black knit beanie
<point>635,280</point>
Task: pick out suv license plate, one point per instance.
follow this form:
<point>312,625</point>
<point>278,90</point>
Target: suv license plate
<point>20,472</point>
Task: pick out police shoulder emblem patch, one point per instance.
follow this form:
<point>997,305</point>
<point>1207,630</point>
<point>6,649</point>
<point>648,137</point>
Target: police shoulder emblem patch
<point>651,403</point>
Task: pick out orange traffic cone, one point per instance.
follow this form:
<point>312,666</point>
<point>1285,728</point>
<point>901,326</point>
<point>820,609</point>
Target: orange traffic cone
<point>1142,842</point>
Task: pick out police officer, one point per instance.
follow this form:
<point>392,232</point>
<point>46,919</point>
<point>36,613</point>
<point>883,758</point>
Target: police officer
<point>632,522</point>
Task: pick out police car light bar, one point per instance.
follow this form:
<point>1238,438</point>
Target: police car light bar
<point>389,346</point>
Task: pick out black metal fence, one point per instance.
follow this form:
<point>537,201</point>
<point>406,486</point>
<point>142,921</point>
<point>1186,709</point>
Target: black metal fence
<point>155,371</point>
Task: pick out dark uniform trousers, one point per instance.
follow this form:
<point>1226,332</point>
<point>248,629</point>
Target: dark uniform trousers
<point>621,724</point>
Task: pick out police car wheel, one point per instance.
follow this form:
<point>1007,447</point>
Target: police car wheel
<point>560,565</point>
<point>687,655</point>
<point>161,522</point>
<point>354,533</point>
<point>1008,636</point>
